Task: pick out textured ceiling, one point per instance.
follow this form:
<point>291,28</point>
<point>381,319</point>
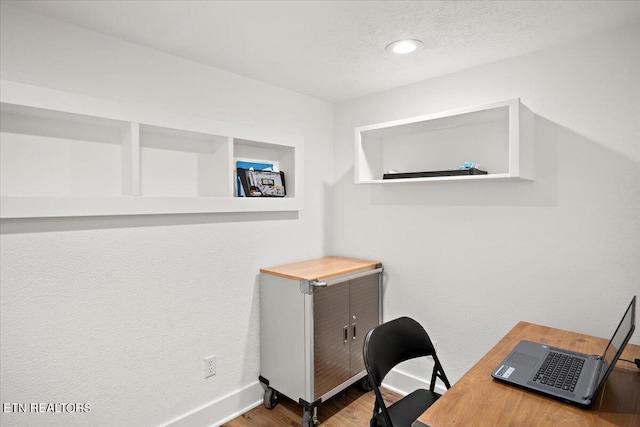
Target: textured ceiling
<point>334,50</point>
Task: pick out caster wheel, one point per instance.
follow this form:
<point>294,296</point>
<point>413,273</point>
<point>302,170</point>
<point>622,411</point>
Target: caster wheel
<point>270,398</point>
<point>307,420</point>
<point>365,384</point>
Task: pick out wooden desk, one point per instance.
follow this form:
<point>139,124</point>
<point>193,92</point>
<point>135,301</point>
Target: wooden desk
<point>477,400</point>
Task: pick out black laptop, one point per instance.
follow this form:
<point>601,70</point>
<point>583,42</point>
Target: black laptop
<point>562,374</point>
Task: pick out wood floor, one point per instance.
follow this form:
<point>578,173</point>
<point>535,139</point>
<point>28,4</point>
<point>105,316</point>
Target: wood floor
<point>351,408</point>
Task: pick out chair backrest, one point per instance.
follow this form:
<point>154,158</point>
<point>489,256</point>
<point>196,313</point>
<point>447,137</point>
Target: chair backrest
<point>394,342</point>
<point>389,344</point>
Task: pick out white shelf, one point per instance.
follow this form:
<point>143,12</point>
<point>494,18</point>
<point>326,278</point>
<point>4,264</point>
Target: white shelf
<point>498,136</point>
<point>69,155</point>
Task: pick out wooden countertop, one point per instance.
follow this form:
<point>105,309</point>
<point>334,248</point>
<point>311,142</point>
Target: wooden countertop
<point>321,268</point>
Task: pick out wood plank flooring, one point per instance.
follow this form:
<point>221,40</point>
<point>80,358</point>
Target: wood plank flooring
<point>351,408</point>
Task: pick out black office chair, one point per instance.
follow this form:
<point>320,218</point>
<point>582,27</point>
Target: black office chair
<point>387,345</point>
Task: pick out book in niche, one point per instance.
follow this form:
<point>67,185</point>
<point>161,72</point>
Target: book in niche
<point>262,183</point>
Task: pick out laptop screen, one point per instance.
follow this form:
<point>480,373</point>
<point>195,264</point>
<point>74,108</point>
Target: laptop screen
<point>620,339</point>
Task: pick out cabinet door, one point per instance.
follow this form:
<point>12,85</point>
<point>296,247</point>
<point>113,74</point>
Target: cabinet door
<point>364,312</point>
<point>331,337</point>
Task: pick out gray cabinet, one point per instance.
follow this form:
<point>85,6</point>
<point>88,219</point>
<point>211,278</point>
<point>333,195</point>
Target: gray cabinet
<point>342,314</point>
<point>313,319</point>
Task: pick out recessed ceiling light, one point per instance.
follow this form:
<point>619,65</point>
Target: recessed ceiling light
<point>402,47</point>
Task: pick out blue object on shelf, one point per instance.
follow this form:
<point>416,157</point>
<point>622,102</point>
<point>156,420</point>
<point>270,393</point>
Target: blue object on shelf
<point>469,165</point>
<point>254,166</point>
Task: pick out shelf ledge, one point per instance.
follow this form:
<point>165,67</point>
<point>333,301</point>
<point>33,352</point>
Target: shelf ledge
<point>51,207</point>
<point>489,177</point>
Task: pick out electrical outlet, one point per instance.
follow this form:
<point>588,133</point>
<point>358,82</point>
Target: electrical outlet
<point>210,366</point>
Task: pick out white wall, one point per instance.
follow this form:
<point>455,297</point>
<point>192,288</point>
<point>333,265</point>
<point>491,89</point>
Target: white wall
<point>119,312</point>
<point>469,260</point>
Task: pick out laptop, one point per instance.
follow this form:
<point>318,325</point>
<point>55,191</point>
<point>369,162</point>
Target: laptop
<point>562,374</point>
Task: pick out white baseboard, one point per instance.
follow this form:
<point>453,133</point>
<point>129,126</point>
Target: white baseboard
<point>234,404</point>
<point>403,383</point>
<point>225,409</point>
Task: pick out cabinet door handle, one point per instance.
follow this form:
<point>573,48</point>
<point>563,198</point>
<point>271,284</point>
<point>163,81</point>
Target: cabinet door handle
<point>345,333</point>
<point>353,325</point>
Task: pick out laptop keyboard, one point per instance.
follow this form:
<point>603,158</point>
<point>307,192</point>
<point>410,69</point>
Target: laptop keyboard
<point>560,370</point>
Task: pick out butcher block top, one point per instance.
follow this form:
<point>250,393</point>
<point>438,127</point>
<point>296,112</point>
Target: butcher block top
<point>321,268</point>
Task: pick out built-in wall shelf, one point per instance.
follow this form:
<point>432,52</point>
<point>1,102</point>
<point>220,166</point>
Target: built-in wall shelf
<point>65,154</point>
<point>498,136</point>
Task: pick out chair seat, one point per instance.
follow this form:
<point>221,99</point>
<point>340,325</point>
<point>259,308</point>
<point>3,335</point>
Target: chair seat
<point>409,408</point>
